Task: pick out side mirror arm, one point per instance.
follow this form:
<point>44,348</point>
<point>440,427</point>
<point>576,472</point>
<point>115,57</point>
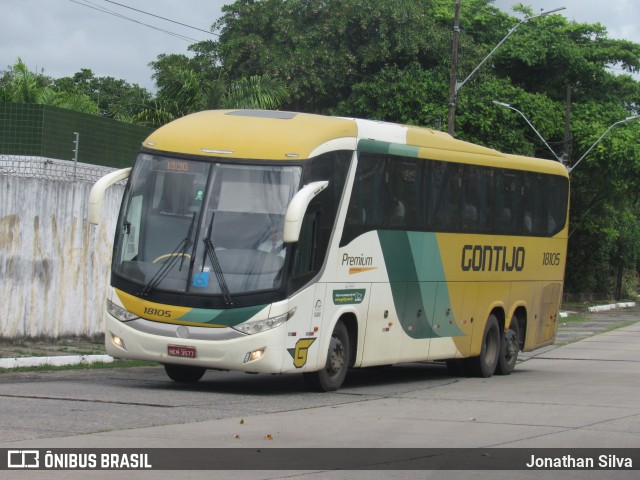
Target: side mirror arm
<point>298,207</point>
<point>96,196</point>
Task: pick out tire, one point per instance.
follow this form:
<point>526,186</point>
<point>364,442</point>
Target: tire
<point>509,347</point>
<point>484,365</point>
<point>184,373</point>
<point>330,378</point>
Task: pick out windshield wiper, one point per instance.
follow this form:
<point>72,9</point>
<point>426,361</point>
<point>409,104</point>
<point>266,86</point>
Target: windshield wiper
<point>210,251</point>
<point>178,253</point>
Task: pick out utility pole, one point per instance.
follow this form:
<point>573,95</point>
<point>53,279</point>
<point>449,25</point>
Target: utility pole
<point>454,71</point>
<point>454,84</point>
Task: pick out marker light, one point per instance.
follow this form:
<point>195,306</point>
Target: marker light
<point>257,326</point>
<point>119,312</point>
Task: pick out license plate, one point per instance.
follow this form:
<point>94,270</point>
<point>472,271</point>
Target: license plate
<point>181,351</point>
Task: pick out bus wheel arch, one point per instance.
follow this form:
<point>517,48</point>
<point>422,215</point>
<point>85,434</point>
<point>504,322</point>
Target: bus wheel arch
<point>340,356</point>
<point>351,323</point>
<point>520,315</point>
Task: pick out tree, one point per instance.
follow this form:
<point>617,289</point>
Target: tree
<point>115,98</point>
<point>189,85</point>
<point>23,86</point>
<point>321,49</point>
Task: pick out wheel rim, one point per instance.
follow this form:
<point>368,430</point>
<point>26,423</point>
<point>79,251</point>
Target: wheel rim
<point>511,349</point>
<point>336,357</point>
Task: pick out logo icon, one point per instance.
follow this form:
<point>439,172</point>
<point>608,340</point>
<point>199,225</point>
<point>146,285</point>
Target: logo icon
<point>201,279</point>
<point>23,459</point>
<point>299,353</point>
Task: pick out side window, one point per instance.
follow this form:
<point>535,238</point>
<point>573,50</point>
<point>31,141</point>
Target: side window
<point>477,203</point>
<point>386,191</point>
<point>131,230</point>
<point>558,193</point>
<point>508,216</point>
<point>304,260</point>
<point>444,197</point>
<point>320,218</point>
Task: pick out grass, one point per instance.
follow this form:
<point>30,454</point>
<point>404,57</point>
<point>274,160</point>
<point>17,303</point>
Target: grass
<point>574,318</point>
<point>81,366</point>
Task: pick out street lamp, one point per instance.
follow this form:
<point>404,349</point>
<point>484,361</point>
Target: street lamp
<point>506,105</point>
<point>628,119</point>
<point>455,86</point>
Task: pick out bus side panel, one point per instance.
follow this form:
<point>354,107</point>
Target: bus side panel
<point>340,299</point>
<point>463,303</point>
<point>491,295</point>
<point>303,329</point>
<point>526,295</point>
<point>384,337</point>
<point>549,310</point>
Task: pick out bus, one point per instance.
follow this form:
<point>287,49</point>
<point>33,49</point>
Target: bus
<point>281,242</point>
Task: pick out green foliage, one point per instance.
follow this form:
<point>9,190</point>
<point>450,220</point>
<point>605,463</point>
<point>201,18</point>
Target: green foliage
<point>260,92</point>
<point>114,98</point>
<point>321,49</point>
<point>190,85</point>
<point>83,92</point>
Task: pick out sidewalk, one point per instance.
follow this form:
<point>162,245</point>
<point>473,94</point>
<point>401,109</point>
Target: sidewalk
<point>86,350</point>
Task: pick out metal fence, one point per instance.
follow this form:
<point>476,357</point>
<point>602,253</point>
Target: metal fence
<point>46,168</point>
<point>29,130</point>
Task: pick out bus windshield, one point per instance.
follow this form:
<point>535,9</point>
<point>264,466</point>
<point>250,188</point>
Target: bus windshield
<point>203,227</point>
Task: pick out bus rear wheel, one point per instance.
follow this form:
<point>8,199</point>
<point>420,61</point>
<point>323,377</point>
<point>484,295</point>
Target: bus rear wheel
<point>484,365</point>
<point>184,373</point>
<point>330,378</point>
<point>509,346</point>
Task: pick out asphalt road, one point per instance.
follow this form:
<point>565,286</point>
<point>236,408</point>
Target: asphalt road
<point>582,394</point>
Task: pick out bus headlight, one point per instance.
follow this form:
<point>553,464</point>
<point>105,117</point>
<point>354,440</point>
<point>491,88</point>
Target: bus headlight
<point>119,312</point>
<point>257,326</point>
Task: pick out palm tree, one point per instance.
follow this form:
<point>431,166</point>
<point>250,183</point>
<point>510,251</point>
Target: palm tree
<point>184,91</point>
<point>23,86</point>
<point>258,91</point>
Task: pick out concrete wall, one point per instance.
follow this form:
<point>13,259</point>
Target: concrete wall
<point>54,265</point>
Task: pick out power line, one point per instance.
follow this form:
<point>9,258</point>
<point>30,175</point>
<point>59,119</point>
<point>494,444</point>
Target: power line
<point>124,17</point>
<point>162,18</point>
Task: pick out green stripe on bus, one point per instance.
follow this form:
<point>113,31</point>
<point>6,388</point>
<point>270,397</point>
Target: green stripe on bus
<point>373,146</point>
<point>228,318</point>
<point>416,274</point>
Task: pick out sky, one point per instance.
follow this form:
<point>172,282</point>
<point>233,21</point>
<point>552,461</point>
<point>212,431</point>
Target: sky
<point>60,37</point>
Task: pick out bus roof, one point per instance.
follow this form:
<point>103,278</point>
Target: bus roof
<point>278,135</point>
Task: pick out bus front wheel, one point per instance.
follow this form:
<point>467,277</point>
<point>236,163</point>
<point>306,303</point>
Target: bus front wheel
<point>330,378</point>
<point>485,364</point>
<point>184,373</point>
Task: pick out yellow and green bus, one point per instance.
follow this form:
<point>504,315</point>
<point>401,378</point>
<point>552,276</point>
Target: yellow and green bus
<point>281,242</point>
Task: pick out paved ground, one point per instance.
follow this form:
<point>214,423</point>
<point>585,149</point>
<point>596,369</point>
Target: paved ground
<point>579,395</point>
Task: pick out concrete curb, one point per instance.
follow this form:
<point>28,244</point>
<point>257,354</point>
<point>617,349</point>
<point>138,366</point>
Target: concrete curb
<point>613,306</point>
<point>57,361</point>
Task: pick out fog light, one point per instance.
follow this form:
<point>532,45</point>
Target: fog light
<point>117,341</point>
<point>255,355</point>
